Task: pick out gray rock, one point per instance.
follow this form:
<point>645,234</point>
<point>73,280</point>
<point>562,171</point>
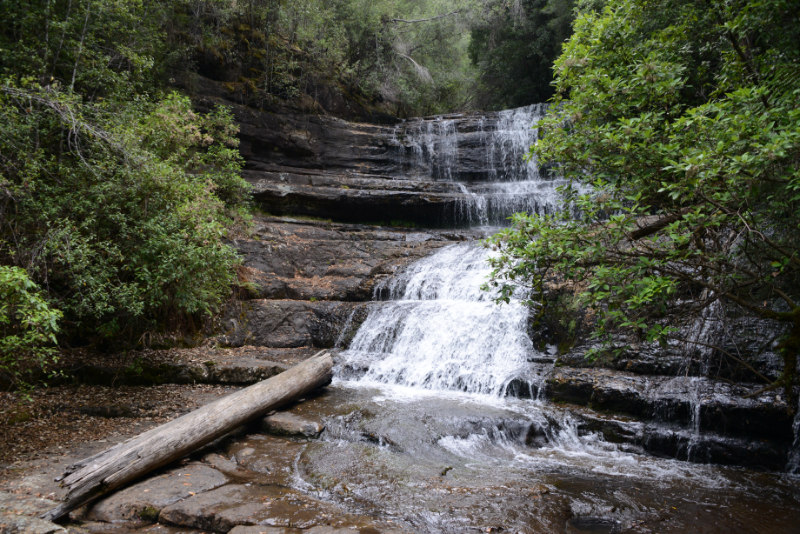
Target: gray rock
<point>238,369</point>
<point>226,466</point>
<point>723,422</point>
<point>242,529</point>
<point>144,501</point>
<point>19,514</point>
<point>94,527</point>
<point>358,198</point>
<point>218,367</point>
<point>20,524</point>
<point>288,424</point>
<point>224,508</point>
<point>287,323</point>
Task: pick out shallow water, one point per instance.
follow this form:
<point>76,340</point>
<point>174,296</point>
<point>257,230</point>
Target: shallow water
<point>456,462</point>
<point>421,432</point>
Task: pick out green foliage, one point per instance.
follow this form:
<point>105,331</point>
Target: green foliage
<point>93,47</point>
<point>114,196</point>
<point>685,119</point>
<point>115,207</point>
<point>28,328</point>
<point>404,57</point>
<point>513,45</point>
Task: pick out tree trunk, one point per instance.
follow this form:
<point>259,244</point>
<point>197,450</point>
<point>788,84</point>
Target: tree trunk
<point>127,461</point>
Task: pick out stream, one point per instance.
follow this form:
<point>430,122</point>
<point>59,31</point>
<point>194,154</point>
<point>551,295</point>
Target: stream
<point>435,419</point>
<point>420,431</point>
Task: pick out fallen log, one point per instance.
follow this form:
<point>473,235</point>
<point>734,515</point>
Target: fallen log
<point>106,471</point>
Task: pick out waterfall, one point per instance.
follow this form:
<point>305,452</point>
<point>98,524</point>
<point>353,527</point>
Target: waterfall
<point>434,327</point>
<point>487,156</point>
<point>440,331</point>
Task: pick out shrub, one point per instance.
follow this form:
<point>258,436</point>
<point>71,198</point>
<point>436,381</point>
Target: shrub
<point>28,328</point>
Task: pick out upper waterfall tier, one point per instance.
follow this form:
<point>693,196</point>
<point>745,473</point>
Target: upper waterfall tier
<point>476,147</point>
<point>454,170</point>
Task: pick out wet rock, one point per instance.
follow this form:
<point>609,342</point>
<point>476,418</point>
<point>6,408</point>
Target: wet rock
<point>288,424</point>
<point>712,448</point>
<point>226,466</point>
<point>358,198</point>
<point>597,525</point>
<point>700,419</point>
<point>19,524</point>
<point>287,323</point>
<point>257,463</point>
<point>673,441</point>
<point>324,529</point>
<point>93,527</point>
<point>268,459</point>
<point>713,405</point>
<point>304,260</point>
<point>144,501</point>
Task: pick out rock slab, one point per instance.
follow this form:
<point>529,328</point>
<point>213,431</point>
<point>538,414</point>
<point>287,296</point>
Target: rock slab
<point>145,500</point>
<point>288,424</point>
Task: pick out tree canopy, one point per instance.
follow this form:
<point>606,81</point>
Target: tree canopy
<point>513,46</point>
<point>115,195</point>
<point>684,117</point>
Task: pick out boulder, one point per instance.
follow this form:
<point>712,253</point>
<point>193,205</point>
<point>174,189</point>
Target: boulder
<point>288,424</point>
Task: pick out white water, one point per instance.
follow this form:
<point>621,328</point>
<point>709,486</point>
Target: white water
<point>510,143</point>
<point>433,330</point>
<point>496,148</point>
<point>440,331</point>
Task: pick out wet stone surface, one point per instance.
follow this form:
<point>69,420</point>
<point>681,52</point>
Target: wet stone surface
<point>247,484</point>
<point>283,423</point>
<point>222,509</point>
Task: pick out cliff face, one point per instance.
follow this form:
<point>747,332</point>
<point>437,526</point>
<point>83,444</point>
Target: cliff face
<point>311,268</point>
<point>449,171</point>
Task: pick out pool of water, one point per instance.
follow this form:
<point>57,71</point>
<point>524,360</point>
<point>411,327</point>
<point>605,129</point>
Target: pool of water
<point>456,462</point>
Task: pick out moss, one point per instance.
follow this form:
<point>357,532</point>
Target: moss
<point>149,514</point>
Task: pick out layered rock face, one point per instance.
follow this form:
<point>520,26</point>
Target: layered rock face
<point>304,282</point>
<point>307,283</point>
<point>447,171</point>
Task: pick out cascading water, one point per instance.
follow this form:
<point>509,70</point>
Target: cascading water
<point>488,157</point>
<point>423,426</point>
<point>439,330</point>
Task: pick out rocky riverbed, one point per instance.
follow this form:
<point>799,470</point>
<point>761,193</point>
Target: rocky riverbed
<point>559,444</point>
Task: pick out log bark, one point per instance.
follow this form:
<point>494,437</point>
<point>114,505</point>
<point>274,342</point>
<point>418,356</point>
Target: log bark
<point>117,466</point>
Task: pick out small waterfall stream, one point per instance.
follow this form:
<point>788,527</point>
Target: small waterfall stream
<point>435,419</point>
<point>438,330</point>
<point>488,157</point>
